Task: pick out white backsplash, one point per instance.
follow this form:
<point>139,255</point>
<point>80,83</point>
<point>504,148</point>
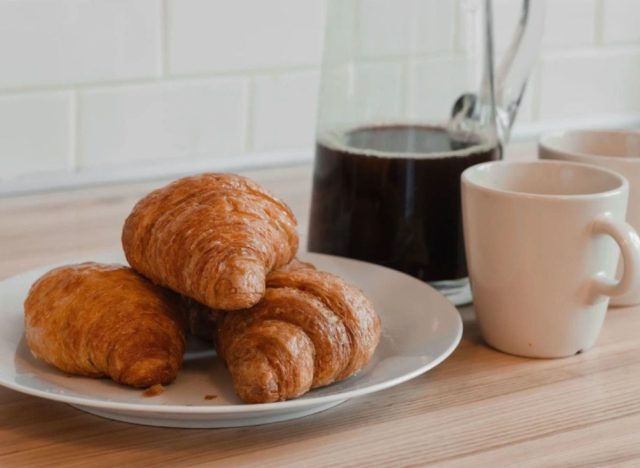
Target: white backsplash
<point>90,88</point>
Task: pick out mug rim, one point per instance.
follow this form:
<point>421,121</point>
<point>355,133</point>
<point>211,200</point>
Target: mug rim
<point>623,183</point>
<point>549,142</point>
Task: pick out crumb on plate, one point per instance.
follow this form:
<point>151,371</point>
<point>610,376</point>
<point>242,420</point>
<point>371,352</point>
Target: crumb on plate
<point>210,397</point>
<point>154,390</point>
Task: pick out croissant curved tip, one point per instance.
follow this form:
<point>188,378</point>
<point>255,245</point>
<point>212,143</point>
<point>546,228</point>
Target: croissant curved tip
<point>149,371</point>
<point>241,287</point>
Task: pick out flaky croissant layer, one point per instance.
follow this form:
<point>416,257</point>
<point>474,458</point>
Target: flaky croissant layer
<point>309,330</point>
<point>211,237</point>
<point>105,320</point>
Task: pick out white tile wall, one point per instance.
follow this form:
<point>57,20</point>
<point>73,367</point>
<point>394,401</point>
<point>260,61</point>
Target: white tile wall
<point>387,83</point>
<point>384,27</point>
<point>592,82</point>
<point>506,15</point>
<point>54,42</point>
<point>436,84</point>
<point>343,16</point>
<point>389,28</point>
<point>568,23</point>
<point>621,21</point>
<point>188,80</point>
<point>343,106</point>
<point>432,25</point>
<point>35,133</point>
<point>229,35</point>
<point>292,98</point>
<point>162,121</point>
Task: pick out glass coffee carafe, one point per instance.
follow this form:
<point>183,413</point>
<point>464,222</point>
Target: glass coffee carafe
<point>409,98</point>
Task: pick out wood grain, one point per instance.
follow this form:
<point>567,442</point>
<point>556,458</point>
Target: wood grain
<point>478,408</point>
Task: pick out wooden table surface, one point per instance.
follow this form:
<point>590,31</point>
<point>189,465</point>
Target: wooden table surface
<point>480,407</point>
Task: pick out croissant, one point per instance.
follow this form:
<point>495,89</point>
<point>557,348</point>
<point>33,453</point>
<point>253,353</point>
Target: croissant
<point>211,237</point>
<point>105,320</point>
<point>309,330</point>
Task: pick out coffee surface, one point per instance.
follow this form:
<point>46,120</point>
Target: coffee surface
<point>391,195</point>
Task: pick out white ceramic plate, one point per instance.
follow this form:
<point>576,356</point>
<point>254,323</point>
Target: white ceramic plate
<point>420,328</point>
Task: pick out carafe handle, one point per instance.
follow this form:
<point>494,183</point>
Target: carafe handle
<point>511,75</point>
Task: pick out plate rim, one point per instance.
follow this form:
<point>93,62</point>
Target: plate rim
<point>247,407</point>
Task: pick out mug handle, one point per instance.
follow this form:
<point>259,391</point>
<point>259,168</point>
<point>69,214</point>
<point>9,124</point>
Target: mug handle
<point>627,239</point>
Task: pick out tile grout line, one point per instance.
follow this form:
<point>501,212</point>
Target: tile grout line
<point>249,106</point>
<point>248,73</point>
<point>194,77</point>
<point>164,38</point>
<point>598,40</point>
<point>74,137</point>
<point>592,51</point>
<point>457,28</point>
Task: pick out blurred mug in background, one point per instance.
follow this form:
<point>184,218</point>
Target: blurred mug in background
<point>615,150</point>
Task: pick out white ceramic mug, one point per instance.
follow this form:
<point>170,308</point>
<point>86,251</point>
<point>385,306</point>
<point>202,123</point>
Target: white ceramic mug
<point>616,150</point>
<point>541,239</point>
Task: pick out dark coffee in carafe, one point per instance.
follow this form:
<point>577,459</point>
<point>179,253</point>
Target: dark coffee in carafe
<point>391,195</point>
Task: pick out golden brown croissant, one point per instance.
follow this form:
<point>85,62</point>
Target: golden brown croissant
<point>310,329</point>
<point>212,237</point>
<point>105,320</point>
